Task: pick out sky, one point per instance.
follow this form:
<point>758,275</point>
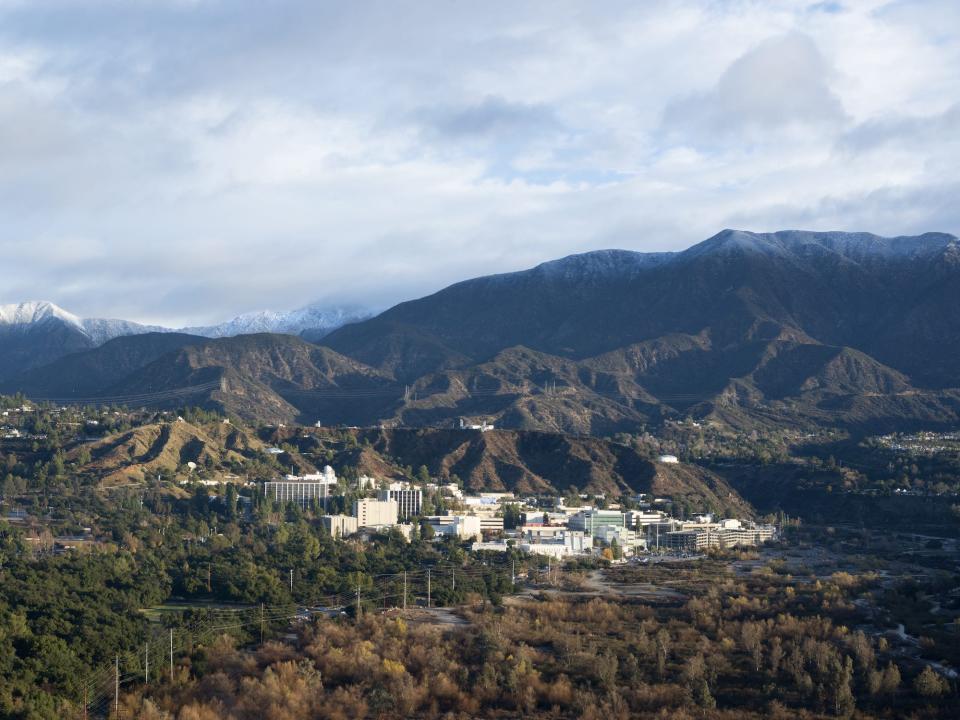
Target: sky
<point>181,162</point>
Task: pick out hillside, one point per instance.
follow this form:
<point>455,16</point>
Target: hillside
<point>218,450</point>
<point>789,329</point>
<point>93,373</point>
<point>517,461</point>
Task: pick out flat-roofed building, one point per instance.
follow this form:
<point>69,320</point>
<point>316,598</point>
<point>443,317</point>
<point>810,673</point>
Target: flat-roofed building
<point>409,499</point>
<point>461,526</point>
<point>301,492</point>
<point>569,543</point>
<point>490,523</point>
<point>375,513</point>
<point>587,520</point>
<point>340,525</point>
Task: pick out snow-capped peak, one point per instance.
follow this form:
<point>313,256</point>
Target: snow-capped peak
<point>312,317</point>
<point>31,313</point>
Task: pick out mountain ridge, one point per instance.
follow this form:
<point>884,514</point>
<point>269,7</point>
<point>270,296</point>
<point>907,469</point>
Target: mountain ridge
<point>747,329</point>
<point>52,332</point>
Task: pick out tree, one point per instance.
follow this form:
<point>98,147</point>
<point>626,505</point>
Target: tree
<point>662,641</point>
<point>842,681</point>
<point>928,684</point>
<point>230,512</point>
<point>426,530</point>
<point>695,675</point>
<point>891,679</point>
<point>751,635</point>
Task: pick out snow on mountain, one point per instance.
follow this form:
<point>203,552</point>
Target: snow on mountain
<point>32,313</point>
<point>320,320</point>
<point>28,315</point>
<point>313,317</point>
<point>100,331</point>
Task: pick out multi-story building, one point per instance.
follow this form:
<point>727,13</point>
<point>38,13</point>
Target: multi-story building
<point>490,523</point>
<point>409,499</point>
<point>303,489</point>
<point>725,534</point>
<point>375,513</point>
<point>586,520</point>
<point>340,525</point>
<point>626,538</point>
<point>637,520</point>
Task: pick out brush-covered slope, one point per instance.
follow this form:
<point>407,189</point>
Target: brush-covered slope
<point>273,378</point>
<point>93,373</point>
<point>167,447</point>
<point>519,461</point>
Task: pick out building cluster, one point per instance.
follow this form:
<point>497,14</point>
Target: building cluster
<point>558,531</point>
<point>567,532</point>
<point>390,505</point>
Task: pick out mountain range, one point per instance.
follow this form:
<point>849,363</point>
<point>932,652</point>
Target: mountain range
<point>33,334</point>
<point>786,329</point>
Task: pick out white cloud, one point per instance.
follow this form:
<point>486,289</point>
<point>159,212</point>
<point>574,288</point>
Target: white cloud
<point>182,162</point>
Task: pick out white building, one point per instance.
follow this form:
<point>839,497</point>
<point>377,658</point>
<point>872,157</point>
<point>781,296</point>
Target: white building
<point>668,459</point>
<point>375,513</point>
<point>638,520</point>
<point>409,500</point>
<point>482,427</point>
<point>569,544</point>
<point>340,525</point>
<point>625,538</point>
<point>460,526</point>
<point>365,482</point>
<point>301,490</point>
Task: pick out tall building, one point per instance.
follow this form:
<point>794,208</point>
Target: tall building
<point>375,513</point>
<point>409,500</point>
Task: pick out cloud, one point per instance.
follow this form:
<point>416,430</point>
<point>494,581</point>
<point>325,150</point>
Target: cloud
<point>184,162</point>
<point>493,117</point>
<point>781,84</point>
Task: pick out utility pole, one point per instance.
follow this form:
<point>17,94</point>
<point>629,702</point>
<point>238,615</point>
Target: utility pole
<point>428,587</point>
<point>116,688</point>
<point>513,573</point>
<point>454,579</point>
<point>291,581</point>
<point>261,623</point>
<point>171,656</point>
<point>404,589</point>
